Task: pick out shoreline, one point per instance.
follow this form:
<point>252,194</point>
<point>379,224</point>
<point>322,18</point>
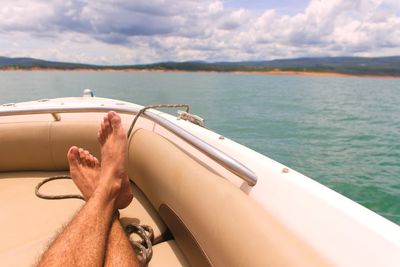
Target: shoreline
<point>273,72</point>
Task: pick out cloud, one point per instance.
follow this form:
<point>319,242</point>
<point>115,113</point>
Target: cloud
<point>143,31</point>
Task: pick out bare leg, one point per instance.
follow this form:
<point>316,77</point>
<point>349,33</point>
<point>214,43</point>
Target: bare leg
<point>83,241</point>
<point>119,250</point>
<point>84,170</point>
<point>112,134</point>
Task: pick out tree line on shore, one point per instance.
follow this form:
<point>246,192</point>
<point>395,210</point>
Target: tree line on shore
<point>381,66</point>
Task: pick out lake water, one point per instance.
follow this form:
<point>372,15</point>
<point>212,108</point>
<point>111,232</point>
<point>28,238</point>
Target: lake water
<point>341,131</point>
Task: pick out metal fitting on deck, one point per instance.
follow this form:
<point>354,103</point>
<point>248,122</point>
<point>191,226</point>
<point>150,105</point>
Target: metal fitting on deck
<point>88,93</point>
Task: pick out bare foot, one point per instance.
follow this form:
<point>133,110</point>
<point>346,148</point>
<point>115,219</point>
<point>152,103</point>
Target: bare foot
<point>84,169</point>
<point>114,142</point>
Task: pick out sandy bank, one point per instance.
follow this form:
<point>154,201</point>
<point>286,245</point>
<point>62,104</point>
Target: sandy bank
<point>274,72</point>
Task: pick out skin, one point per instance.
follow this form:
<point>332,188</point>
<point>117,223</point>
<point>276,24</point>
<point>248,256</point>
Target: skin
<point>95,237</point>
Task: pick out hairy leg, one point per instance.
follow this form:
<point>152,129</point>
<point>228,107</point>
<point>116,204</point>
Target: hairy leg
<point>83,241</point>
<point>85,170</point>
<point>119,249</point>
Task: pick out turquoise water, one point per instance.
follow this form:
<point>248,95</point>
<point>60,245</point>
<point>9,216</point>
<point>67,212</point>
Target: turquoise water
<point>343,132</point>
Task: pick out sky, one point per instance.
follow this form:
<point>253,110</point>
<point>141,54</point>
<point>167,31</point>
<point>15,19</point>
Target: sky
<point>146,31</point>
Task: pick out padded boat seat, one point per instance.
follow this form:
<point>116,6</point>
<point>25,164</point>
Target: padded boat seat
<point>168,254</point>
<point>29,223</point>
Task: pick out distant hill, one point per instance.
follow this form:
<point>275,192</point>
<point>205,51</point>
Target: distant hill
<point>310,62</point>
<point>26,62</point>
<point>389,66</point>
<point>345,65</point>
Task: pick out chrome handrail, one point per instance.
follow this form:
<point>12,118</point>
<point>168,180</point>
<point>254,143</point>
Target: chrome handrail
<point>214,153</point>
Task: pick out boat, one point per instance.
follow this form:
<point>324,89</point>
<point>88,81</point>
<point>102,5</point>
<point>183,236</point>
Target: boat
<point>208,200</point>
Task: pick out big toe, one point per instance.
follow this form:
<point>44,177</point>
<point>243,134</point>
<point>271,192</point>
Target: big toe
<point>73,155</point>
<point>114,119</point>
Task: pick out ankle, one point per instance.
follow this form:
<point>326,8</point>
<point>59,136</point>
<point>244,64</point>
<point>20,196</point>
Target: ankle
<point>108,191</point>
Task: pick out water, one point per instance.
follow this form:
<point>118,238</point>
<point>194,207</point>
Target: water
<point>343,132</point>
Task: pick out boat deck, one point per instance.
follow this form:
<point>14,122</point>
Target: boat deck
<point>30,223</point>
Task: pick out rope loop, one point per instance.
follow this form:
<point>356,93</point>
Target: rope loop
<point>57,177</point>
<point>186,106</point>
<point>143,248</point>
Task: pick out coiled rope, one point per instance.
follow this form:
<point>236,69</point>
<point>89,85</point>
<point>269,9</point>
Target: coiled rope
<point>143,248</point>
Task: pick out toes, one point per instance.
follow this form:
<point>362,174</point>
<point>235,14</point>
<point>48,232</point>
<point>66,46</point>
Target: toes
<point>100,137</point>
<point>110,121</point>
<point>96,162</point>
<point>87,158</point>
<point>115,119</point>
<point>107,124</point>
<point>82,156</point>
<point>73,155</point>
<point>103,128</point>
<point>90,160</point>
<point>104,131</point>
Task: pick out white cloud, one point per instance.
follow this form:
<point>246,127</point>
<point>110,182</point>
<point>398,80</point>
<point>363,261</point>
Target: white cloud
<point>143,31</point>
